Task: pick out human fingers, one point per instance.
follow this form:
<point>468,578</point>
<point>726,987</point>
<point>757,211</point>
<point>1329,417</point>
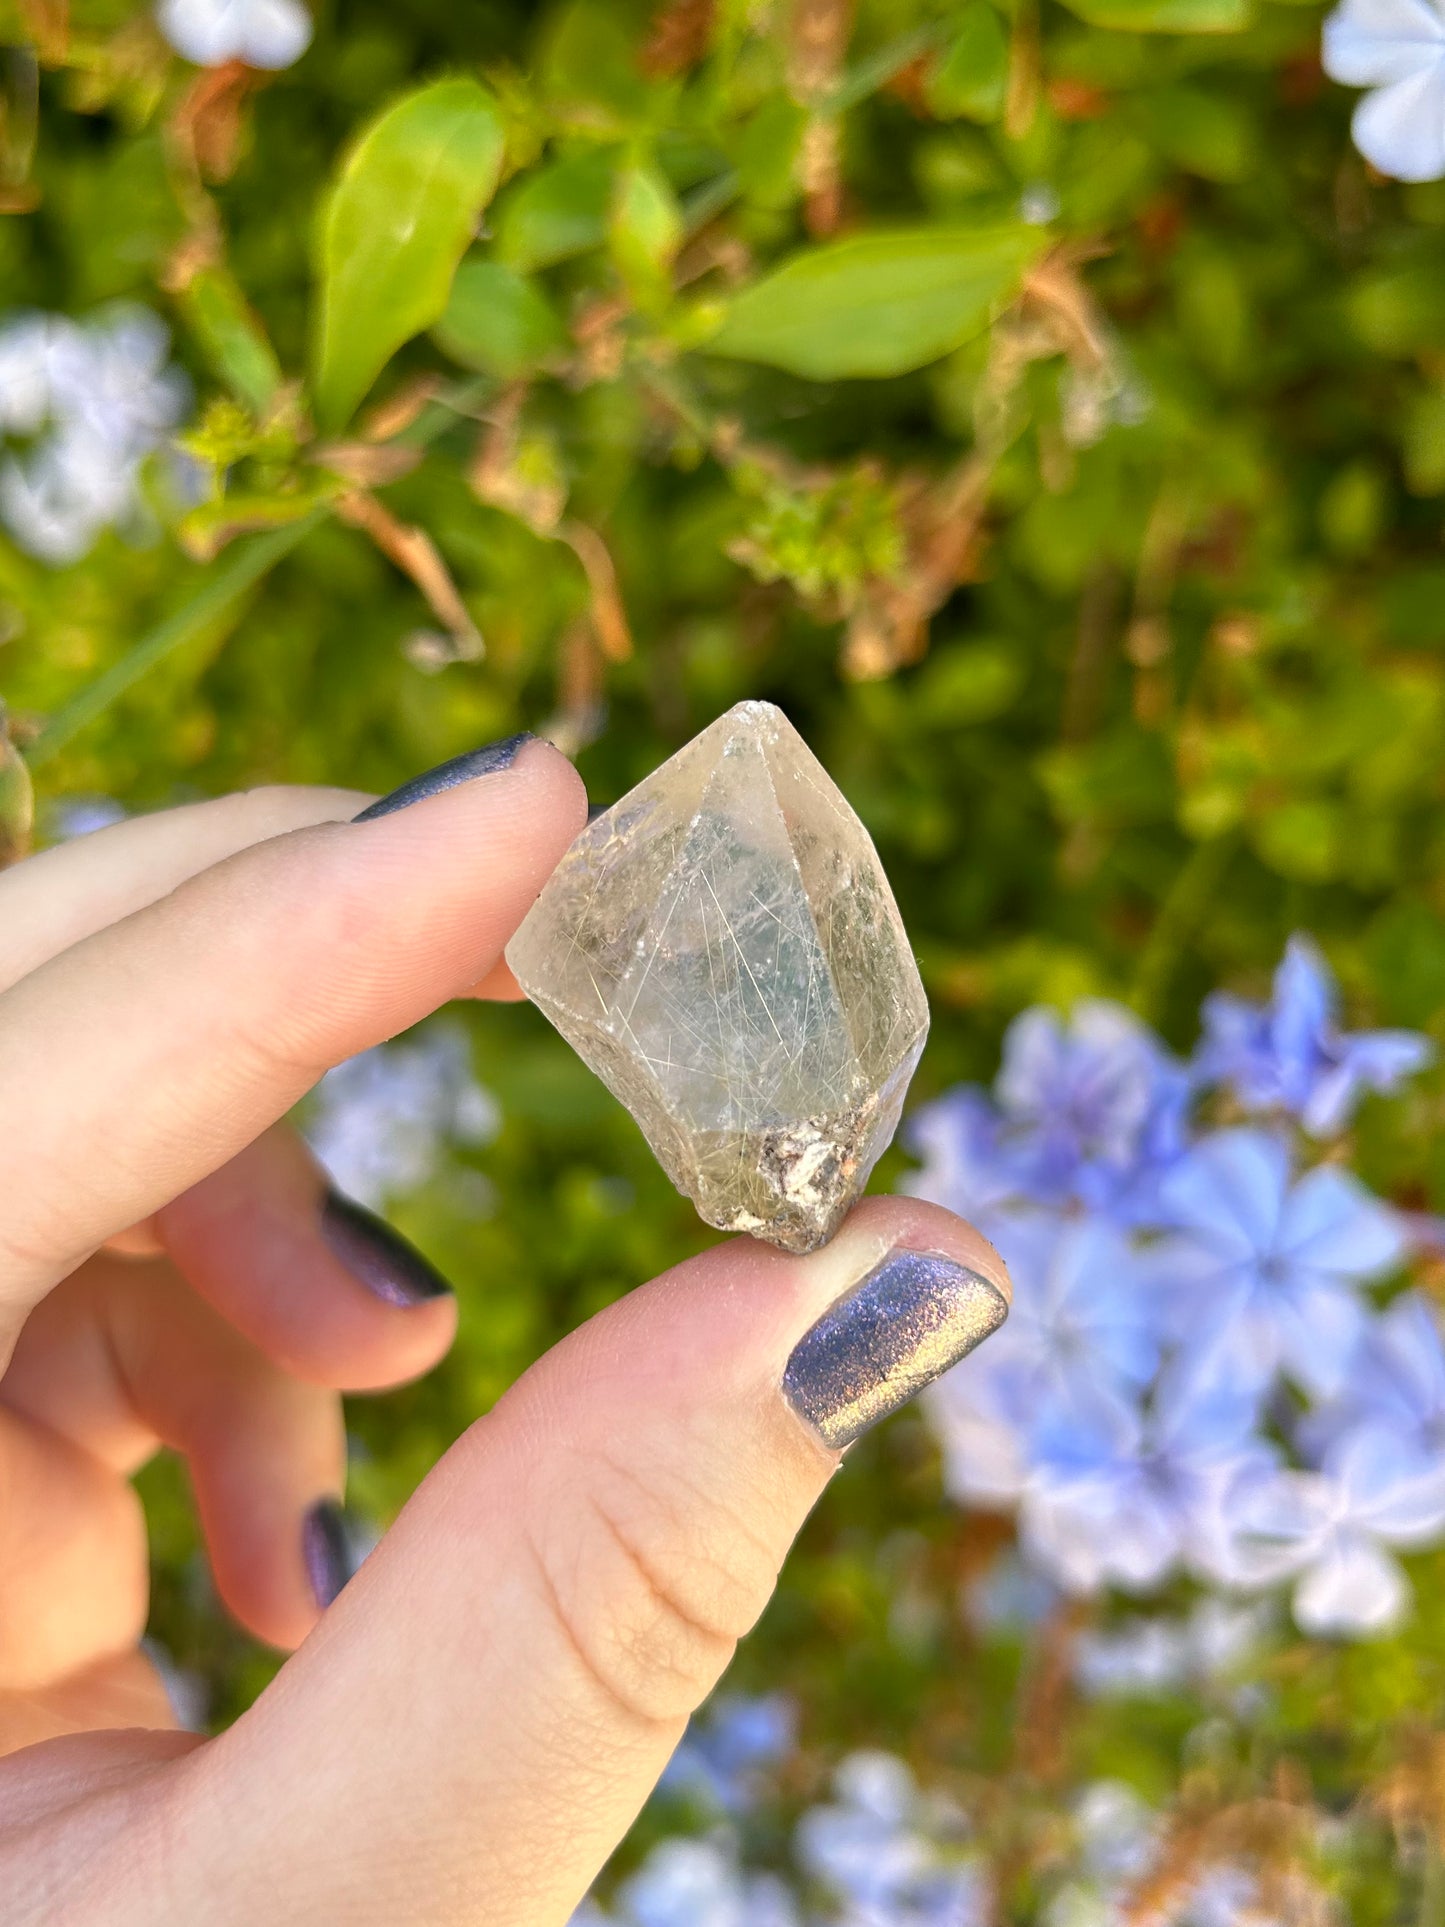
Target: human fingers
<point>322,1286</point>
<point>507,1675</point>
<point>55,899</point>
<point>124,1357</point>
<point>224,1001</point>
<point>73,1578</point>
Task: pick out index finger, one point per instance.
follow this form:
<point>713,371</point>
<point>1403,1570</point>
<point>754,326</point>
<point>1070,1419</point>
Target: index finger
<point>55,899</point>
<point>141,1058</point>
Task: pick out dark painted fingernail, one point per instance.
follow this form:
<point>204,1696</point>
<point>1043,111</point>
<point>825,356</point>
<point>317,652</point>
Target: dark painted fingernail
<point>378,1257</point>
<point>326,1549</point>
<point>912,1317</point>
<point>485,761</point>
<point>594,810</point>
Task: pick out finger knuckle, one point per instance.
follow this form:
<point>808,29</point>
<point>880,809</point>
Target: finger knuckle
<point>653,1579</point>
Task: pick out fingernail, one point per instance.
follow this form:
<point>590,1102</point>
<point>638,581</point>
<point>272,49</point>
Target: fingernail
<point>912,1317</point>
<point>485,761</point>
<point>378,1257</point>
<point>326,1549</point>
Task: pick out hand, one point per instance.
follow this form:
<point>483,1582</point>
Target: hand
<point>470,1727</point>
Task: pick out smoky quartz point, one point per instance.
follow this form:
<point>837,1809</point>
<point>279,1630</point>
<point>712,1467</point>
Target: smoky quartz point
<point>723,949</point>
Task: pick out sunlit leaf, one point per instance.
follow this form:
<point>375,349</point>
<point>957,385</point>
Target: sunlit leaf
<point>645,231</point>
<point>878,304</point>
<point>397,222</point>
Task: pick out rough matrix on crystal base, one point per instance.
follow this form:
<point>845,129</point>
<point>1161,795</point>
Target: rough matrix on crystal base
<point>723,949</point>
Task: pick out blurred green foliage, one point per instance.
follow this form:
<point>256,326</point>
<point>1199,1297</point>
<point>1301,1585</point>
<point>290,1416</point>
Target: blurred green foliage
<point>1043,404</point>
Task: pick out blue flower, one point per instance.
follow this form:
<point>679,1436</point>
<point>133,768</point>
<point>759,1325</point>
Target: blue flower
<point>1396,49</point>
<point>1264,1270</point>
<point>701,1883</point>
<point>967,1166</point>
<point>888,1853</point>
<point>1396,1380</point>
<point>381,1121</point>
<point>1146,1656</point>
<point>1330,1530</point>
<point>1093,1109</point>
<point>725,1753</point>
<point>1083,1333</point>
<point>1291,1054</point>
<point>1125,1497</point>
<point>1082,1342</point>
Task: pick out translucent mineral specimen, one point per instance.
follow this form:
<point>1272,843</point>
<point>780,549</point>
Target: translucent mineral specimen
<point>723,949</point>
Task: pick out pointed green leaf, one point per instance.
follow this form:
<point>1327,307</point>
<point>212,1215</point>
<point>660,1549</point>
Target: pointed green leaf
<point>972,77</point>
<point>402,213</point>
<point>230,336</point>
<point>878,304</point>
<point>645,230</point>
<point>499,322</point>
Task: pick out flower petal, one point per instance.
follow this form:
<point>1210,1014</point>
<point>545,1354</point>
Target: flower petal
<point>1333,1225</point>
<point>1228,1191</point>
<point>1374,43</point>
<point>1356,1587</point>
<point>1401,128</point>
<point>1319,1324</point>
<point>277,32</point>
<point>1391,1487</point>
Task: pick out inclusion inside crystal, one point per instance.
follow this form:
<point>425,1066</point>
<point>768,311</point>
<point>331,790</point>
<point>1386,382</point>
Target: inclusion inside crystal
<point>723,949</point>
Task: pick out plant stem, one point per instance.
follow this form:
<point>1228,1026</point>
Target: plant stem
<point>223,585</point>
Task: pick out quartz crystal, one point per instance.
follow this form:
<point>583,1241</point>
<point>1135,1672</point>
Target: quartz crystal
<point>723,949</point>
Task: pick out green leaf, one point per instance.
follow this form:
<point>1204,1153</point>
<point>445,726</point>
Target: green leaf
<point>1206,133</point>
<point>972,78</point>
<point>587,56</point>
<point>397,222</point>
<point>499,322</point>
<point>230,336</point>
<point>1166,16</point>
<point>557,212</point>
<point>1397,310</point>
<point>765,151</point>
<point>1424,445</point>
<point>645,231</point>
<point>878,304</point>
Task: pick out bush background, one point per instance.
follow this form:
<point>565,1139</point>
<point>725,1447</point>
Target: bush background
<point>1120,623</point>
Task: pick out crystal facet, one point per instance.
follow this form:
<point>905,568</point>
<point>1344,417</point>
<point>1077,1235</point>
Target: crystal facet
<point>723,949</point>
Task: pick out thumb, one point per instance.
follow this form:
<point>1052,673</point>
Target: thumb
<point>478,1718</point>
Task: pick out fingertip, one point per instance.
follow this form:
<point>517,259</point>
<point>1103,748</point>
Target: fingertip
<point>920,1226</point>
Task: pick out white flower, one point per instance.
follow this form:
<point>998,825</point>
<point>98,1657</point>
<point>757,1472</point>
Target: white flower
<point>93,400</point>
<point>263,33</point>
<point>1330,1530</point>
<point>1397,49</point>
<point>380,1122</point>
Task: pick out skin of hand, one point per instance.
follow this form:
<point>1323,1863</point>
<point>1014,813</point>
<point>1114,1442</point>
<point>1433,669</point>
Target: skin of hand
<point>466,1730</point>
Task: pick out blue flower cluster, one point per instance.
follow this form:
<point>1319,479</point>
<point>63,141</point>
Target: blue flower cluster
<point>1195,1377</point>
<point>879,1851</point>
